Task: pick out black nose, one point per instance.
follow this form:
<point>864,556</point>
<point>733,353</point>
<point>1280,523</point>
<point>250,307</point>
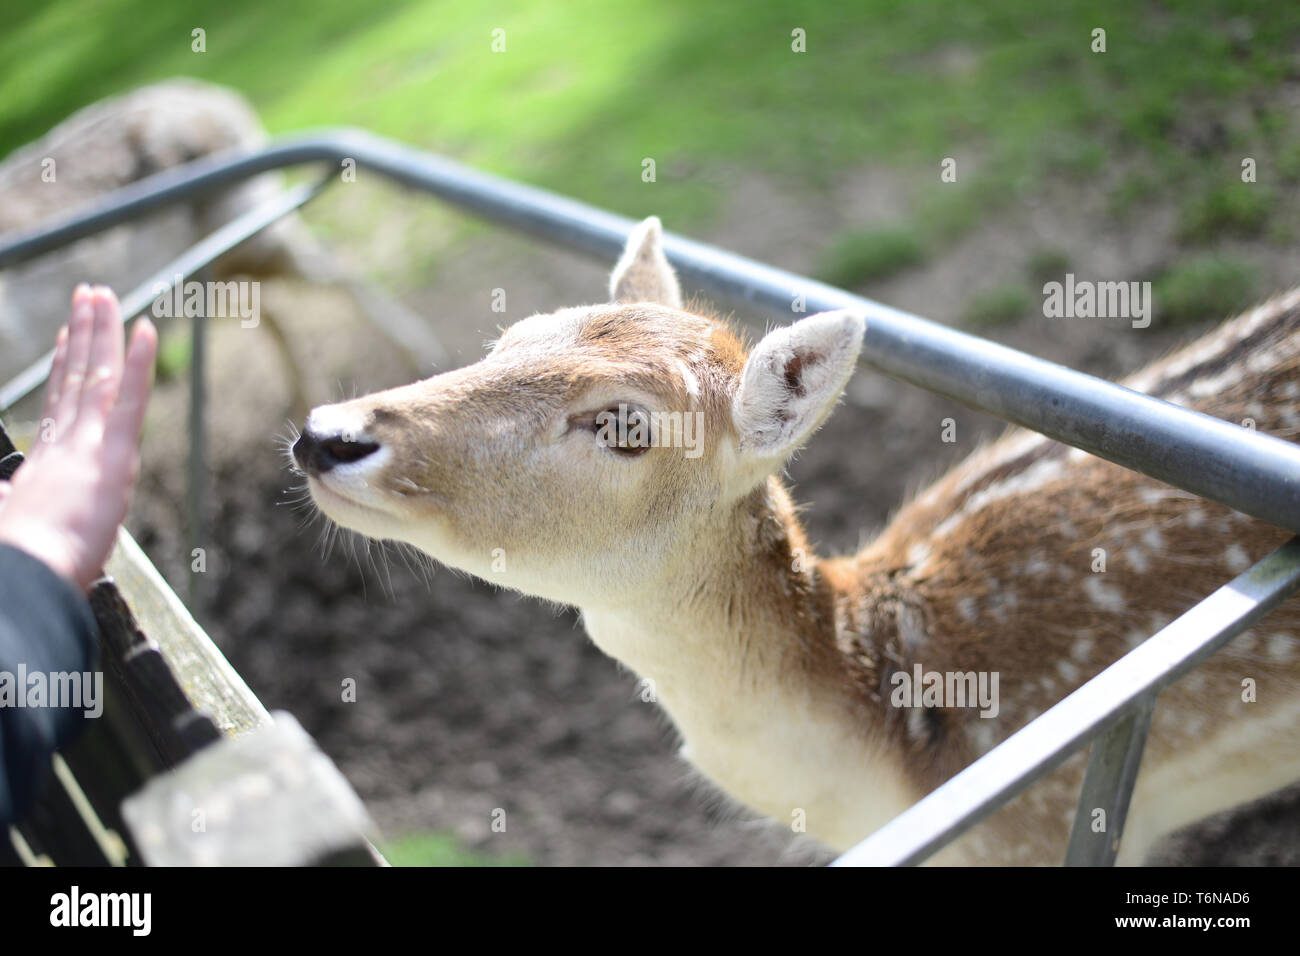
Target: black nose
<point>316,453</point>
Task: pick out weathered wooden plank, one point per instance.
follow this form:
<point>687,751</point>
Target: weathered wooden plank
<point>56,825</point>
<point>112,760</point>
<point>164,714</point>
<point>16,851</point>
<point>211,685</point>
<point>268,798</point>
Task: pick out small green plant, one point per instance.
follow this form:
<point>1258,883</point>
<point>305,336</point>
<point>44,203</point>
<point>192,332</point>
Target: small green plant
<point>1074,155</point>
<point>1044,265</point>
<point>1281,233</point>
<point>1235,208</point>
<point>998,306</point>
<point>945,215</point>
<point>441,849</point>
<point>1203,288</point>
<point>174,351</point>
<point>1288,162</point>
<point>1134,190</point>
<point>861,256</point>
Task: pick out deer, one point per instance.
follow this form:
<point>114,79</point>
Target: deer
<point>124,139</point>
<point>780,669</point>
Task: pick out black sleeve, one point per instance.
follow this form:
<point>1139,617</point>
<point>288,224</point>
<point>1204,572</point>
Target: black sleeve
<point>46,629</point>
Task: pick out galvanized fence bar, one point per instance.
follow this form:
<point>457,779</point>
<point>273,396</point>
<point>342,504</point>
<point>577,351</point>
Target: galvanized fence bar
<point>202,253</point>
<point>1045,742</point>
<point>197,480</point>
<point>1238,467</point>
<point>1107,788</point>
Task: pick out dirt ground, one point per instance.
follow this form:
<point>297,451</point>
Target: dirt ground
<point>471,699</point>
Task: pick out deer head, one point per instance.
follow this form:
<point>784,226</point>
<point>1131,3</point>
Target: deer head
<point>591,447</point>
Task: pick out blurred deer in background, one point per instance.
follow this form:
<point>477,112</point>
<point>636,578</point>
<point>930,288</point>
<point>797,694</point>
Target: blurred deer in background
<point>124,139</point>
<point>787,675</point>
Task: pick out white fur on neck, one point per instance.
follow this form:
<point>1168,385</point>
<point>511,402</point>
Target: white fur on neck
<point>780,749</point>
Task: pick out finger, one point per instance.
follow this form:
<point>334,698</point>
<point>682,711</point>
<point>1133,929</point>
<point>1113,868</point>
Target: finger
<point>103,364</point>
<point>55,380</point>
<point>122,432</point>
<point>80,331</point>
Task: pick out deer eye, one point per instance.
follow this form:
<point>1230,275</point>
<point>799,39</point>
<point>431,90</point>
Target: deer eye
<point>623,429</point>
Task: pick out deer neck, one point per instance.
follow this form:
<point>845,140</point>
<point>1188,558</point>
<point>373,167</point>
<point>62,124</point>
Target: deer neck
<point>738,643</point>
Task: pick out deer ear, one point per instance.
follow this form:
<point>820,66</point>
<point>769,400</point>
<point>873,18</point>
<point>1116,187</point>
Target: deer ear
<point>792,380</point>
<point>643,273</point>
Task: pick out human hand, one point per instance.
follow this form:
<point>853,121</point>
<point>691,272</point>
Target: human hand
<point>67,500</point>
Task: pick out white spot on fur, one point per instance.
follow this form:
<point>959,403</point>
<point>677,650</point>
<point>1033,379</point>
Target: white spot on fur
<point>1151,496</point>
<point>688,377</point>
<point>1036,567</point>
<point>1236,558</point>
<point>1281,647</point>
<point>1004,451</point>
<point>1212,386</point>
<point>1022,483</point>
<point>985,735</point>
<point>1102,594</point>
<point>916,728</point>
<point>1196,682</point>
<point>1002,601</point>
<point>918,554</point>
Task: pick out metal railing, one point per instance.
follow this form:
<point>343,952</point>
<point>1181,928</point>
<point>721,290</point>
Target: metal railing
<point>1237,467</point>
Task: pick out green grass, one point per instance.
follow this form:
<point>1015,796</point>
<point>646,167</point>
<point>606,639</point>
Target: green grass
<point>945,211</point>
<point>1203,288</point>
<point>438,849</point>
<point>998,306</point>
<point>1134,191</point>
<point>863,255</point>
<point>1231,209</point>
<point>586,90</point>
<point>1046,265</point>
<point>1288,162</point>
<point>174,351</point>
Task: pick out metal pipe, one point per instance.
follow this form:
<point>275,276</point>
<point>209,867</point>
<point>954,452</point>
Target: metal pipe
<point>1240,468</point>
<point>1046,741</point>
<point>1107,789</point>
<point>192,260</point>
<point>197,478</point>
